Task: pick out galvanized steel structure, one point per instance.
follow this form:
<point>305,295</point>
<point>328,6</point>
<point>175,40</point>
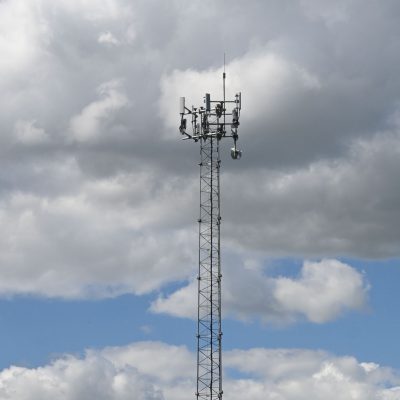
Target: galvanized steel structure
<point>208,127</point>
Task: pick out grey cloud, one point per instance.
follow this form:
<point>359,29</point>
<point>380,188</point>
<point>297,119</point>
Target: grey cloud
<point>344,206</point>
<point>299,190</point>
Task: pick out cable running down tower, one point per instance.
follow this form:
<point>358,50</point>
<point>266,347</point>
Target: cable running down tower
<point>208,127</point>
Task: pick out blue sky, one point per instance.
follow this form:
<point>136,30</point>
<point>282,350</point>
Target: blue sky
<point>38,330</point>
<point>99,198</point>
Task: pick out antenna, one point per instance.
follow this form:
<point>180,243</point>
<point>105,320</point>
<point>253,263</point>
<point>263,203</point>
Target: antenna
<point>208,102</point>
<point>182,106</point>
<point>209,127</point>
<point>223,87</point>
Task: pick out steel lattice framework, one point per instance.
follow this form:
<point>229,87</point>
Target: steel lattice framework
<point>209,128</point>
<point>209,333</point>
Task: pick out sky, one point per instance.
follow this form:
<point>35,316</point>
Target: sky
<point>99,198</point>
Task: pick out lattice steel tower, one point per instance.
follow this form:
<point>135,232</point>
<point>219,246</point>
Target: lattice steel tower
<point>208,127</point>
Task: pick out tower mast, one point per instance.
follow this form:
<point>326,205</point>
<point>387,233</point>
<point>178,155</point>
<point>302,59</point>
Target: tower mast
<point>209,127</point>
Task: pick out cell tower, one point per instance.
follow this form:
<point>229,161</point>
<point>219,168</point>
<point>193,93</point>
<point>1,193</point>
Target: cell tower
<point>208,127</point>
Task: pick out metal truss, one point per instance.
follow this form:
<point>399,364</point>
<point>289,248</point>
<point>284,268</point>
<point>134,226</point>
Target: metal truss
<point>209,333</point>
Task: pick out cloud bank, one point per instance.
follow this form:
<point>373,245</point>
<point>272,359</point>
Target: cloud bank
<point>156,371</point>
<point>98,196</point>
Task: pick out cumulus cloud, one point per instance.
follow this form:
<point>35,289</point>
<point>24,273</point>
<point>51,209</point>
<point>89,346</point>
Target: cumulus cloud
<point>336,206</point>
<point>267,81</point>
<point>71,378</point>
<point>103,240</point>
<point>97,199</point>
<point>303,374</point>
<point>322,291</point>
<point>152,371</point>
<point>88,123</point>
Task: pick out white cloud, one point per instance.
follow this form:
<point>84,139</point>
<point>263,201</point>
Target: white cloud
<point>127,37</point>
<point>267,81</point>
<point>152,371</point>
<point>108,38</point>
<point>24,43</point>
<point>102,238</point>
<point>323,291</point>
<point>89,123</point>
<point>171,363</point>
<point>304,374</point>
<point>74,379</point>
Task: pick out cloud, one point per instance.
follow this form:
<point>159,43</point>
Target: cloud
<point>88,123</point>
<point>98,199</point>
<point>329,12</point>
<point>102,240</point>
<point>267,81</point>
<point>337,206</point>
<point>22,44</point>
<point>71,378</point>
<point>108,38</point>
<point>322,292</point>
<point>304,374</point>
<point>152,371</point>
<point>26,132</point>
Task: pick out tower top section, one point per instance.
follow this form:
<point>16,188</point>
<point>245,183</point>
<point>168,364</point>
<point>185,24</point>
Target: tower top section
<point>215,119</point>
